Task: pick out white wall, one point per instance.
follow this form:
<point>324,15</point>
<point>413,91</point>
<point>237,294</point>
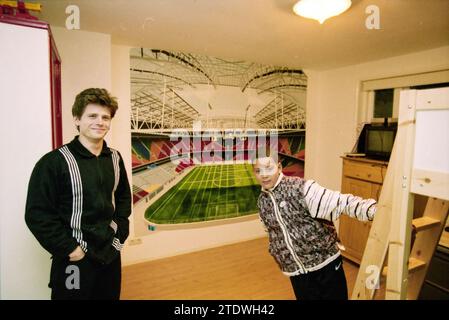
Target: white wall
<point>332,106</point>
<point>86,63</point>
<point>167,243</point>
<point>120,132</point>
<point>25,133</point>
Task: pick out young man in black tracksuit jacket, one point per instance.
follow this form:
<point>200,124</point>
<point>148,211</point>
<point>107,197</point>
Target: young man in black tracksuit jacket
<point>298,215</point>
<point>78,205</point>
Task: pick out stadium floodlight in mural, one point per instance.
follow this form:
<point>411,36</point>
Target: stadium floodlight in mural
<point>197,123</point>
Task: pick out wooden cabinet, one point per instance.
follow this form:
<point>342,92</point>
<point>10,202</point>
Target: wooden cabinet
<point>364,178</point>
<point>361,177</point>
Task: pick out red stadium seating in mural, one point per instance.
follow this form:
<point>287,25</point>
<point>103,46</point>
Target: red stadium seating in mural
<point>184,164</point>
<point>156,151</point>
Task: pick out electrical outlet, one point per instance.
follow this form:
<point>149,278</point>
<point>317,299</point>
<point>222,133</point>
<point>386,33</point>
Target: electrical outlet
<point>135,241</point>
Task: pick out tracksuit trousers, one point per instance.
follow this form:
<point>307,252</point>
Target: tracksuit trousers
<point>85,279</point>
<point>327,283</point>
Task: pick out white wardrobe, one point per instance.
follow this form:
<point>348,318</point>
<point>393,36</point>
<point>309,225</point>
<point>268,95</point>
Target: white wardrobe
<point>30,125</point>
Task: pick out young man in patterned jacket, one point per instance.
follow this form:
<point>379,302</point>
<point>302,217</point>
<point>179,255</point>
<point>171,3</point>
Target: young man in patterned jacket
<point>298,216</point>
<point>78,205</point>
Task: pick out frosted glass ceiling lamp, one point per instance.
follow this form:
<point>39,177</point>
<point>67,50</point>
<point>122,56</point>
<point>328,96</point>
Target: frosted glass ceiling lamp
<point>321,9</point>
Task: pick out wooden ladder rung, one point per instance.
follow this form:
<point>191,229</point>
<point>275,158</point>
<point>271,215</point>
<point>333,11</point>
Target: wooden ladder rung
<point>424,223</point>
<point>413,265</point>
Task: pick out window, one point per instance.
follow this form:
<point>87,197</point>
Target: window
<point>379,98</point>
<point>383,103</point>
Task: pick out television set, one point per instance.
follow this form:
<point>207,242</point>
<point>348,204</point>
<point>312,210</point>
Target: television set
<point>379,140</point>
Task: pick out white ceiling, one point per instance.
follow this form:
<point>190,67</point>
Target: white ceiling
<point>263,31</point>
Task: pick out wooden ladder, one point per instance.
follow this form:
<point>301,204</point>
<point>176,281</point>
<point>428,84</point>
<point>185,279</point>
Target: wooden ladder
<point>391,231</point>
<point>428,230</point>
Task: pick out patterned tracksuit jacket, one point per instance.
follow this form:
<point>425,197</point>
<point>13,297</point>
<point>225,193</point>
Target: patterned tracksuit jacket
<point>297,214</point>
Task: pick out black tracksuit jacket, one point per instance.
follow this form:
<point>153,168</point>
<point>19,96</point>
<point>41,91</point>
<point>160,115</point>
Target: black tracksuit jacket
<point>76,198</point>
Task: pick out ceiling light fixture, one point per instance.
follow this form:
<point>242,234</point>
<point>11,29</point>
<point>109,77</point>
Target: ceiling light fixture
<point>321,9</point>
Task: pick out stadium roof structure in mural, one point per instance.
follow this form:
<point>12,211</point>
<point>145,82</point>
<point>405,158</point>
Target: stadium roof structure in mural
<point>157,76</point>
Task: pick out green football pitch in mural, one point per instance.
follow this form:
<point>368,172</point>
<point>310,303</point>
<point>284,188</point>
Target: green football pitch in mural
<point>207,193</point>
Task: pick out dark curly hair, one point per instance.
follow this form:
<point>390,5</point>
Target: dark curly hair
<point>95,96</point>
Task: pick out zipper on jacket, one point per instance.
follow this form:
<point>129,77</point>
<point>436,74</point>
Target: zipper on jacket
<point>288,241</point>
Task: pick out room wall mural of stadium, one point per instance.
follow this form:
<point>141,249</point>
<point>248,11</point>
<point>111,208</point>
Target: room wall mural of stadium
<point>197,123</point>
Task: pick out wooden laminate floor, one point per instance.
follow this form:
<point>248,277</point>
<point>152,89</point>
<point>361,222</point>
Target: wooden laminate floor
<point>242,271</point>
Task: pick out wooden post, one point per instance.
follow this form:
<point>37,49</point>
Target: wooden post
<point>368,277</point>
<point>402,210</point>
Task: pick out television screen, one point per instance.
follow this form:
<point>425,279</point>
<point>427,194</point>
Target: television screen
<point>379,142</point>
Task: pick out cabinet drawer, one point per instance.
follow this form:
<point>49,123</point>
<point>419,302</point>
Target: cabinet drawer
<point>364,171</point>
<point>360,188</point>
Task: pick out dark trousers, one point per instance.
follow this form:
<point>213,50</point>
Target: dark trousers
<point>327,283</point>
<point>85,279</point>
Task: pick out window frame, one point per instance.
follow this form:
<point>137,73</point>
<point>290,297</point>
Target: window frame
<point>398,83</point>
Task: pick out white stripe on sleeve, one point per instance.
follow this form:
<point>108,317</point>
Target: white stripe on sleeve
<point>327,204</point>
<point>77,197</point>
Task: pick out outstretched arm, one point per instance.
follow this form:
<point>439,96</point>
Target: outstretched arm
<point>327,204</point>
